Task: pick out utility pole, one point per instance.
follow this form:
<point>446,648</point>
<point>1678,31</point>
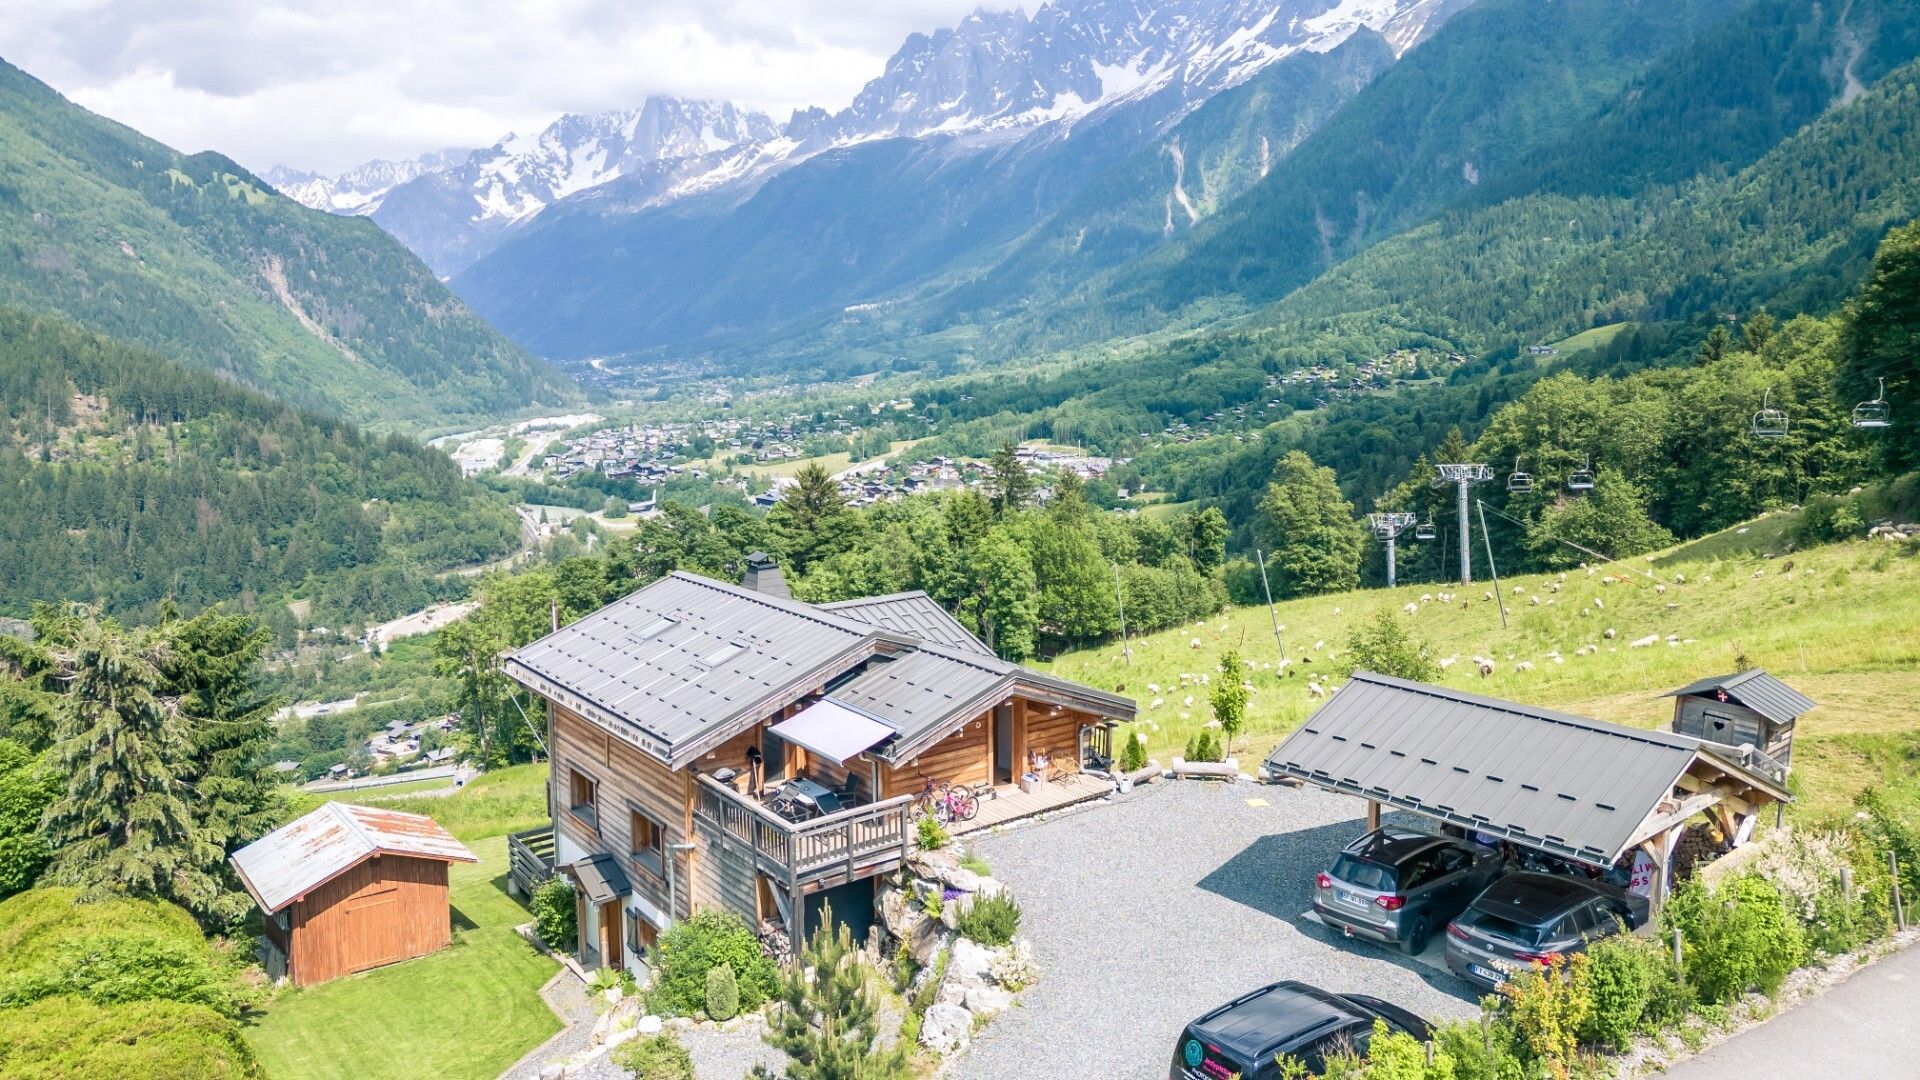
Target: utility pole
<point>1387,528</point>
<point>1261,557</point>
<point>1126,647</point>
<point>1463,477</point>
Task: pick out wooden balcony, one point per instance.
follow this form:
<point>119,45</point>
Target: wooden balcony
<point>854,843</point>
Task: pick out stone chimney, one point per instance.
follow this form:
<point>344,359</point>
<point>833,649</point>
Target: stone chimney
<point>763,575</point>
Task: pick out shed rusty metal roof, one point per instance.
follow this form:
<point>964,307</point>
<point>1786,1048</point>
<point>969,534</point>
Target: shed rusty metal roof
<point>913,613</point>
<point>1561,783</point>
<point>297,858</point>
<point>1756,690</point>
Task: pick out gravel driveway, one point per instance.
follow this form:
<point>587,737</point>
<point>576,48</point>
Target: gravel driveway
<point>1149,910</point>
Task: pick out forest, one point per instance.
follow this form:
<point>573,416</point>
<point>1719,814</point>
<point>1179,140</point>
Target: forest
<point>133,483</point>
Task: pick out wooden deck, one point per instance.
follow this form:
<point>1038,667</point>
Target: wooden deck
<point>1011,804</point>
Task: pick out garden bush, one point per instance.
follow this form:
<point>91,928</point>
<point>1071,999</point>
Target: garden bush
<point>1738,938</point>
<point>1133,752</point>
<point>930,833</point>
<point>696,946</point>
<point>991,920</point>
<point>1634,986</point>
<point>655,1057</point>
<point>65,1037</point>
<point>1547,1007</point>
<point>555,915</point>
<point>1805,865</point>
<point>723,993</point>
<point>120,968</point>
<point>1204,745</point>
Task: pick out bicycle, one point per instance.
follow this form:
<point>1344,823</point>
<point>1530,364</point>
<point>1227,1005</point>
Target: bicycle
<point>947,803</point>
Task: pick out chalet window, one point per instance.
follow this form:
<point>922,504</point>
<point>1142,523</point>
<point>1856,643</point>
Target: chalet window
<point>581,796</point>
<point>648,841</point>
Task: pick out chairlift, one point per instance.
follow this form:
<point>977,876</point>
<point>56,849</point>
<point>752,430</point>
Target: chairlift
<point>1769,422</point>
<point>1581,479</point>
<point>1874,414</point>
<point>1519,483</point>
<point>1425,531</point>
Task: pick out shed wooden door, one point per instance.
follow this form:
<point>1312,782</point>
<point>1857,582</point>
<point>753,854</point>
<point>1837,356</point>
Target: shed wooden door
<point>375,931</point>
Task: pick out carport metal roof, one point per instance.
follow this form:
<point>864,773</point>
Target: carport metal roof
<point>1565,784</point>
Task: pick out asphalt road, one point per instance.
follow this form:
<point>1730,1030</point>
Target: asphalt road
<point>1867,1028</point>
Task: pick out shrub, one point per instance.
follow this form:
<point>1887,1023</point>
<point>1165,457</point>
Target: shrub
<point>931,834</point>
<point>1624,975</point>
<point>991,920</point>
<point>1547,1008</point>
<point>655,1057</point>
<point>723,993</point>
<point>1385,645</point>
<point>554,914</point>
<point>1133,753</point>
<point>64,1037</point>
<point>696,946</point>
<point>1736,939</point>
<point>1204,745</point>
<point>1482,1051</point>
<point>1805,866</point>
<point>121,968</point>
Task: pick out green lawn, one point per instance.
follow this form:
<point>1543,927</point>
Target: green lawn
<point>1841,622</point>
<point>468,1011</point>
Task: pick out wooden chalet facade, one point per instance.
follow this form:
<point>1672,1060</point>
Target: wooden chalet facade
<point>681,717</point>
<point>348,888</point>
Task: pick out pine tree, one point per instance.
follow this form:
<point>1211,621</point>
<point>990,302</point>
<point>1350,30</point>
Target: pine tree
<point>1009,487</point>
<point>126,822</point>
<point>811,518</point>
<point>1317,542</point>
<point>827,1021</point>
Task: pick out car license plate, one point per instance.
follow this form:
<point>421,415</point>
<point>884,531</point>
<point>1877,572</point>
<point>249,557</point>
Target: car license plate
<point>1487,973</point>
<point>1346,897</point>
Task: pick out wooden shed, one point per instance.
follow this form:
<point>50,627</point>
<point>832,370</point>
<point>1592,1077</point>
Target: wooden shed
<point>1746,709</point>
<point>347,888</point>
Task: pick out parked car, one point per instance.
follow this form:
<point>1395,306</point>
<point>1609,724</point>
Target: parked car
<point>1530,918</point>
<point>1247,1036</point>
<point>1397,886</point>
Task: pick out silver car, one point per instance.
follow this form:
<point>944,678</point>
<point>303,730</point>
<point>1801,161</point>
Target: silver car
<point>1397,887</point>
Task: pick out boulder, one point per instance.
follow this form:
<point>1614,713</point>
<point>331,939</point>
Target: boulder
<point>969,961</point>
<point>601,1027</point>
<point>955,877</point>
<point>555,1071</point>
<point>926,941</point>
<point>649,1025</point>
<point>946,1028</point>
<point>987,1000</point>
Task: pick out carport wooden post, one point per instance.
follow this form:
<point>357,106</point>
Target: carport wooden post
<point>1659,847</point>
<point>1373,815</point>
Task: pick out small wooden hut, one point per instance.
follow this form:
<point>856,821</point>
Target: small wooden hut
<point>1748,708</point>
<point>347,888</point>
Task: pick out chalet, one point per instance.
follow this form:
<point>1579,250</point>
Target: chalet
<point>347,888</point>
<point>721,746</point>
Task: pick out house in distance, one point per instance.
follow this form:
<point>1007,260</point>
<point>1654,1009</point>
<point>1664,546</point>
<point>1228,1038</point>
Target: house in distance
<point>347,888</point>
<point>727,747</point>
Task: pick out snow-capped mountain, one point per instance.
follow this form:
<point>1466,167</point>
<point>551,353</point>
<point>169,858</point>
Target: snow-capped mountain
<point>1001,74</point>
<point>359,189</point>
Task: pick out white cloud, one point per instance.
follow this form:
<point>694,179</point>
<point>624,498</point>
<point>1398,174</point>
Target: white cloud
<point>328,85</point>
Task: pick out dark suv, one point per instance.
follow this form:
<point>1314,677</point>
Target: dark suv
<point>1248,1036</point>
<point>1397,886</point>
<point>1526,919</point>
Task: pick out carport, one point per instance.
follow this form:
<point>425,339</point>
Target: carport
<point>1566,785</point>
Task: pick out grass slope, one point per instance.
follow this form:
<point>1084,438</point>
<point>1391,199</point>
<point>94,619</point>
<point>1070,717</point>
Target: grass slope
<point>470,1010</point>
<point>1838,622</point>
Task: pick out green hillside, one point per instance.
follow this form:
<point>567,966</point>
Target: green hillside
<point>1840,622</point>
<point>126,479</point>
<point>194,257</point>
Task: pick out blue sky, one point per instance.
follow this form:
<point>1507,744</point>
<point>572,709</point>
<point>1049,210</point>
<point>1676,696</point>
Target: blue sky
<point>326,85</point>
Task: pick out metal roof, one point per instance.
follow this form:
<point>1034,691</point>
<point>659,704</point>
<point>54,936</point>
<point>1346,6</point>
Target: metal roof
<point>1564,784</point>
<point>1756,690</point>
<point>600,878</point>
<point>913,613</point>
<point>297,858</point>
<point>681,663</point>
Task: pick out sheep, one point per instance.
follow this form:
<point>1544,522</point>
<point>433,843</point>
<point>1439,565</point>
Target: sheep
<point>1555,586</point>
<point>1598,604</point>
<point>1448,661</point>
<point>1659,588</point>
<point>1487,596</point>
<point>1314,690</point>
<point>1486,668</point>
<point>1519,590</point>
<point>1643,643</point>
<point>1188,702</point>
<point>1156,703</point>
<point>1194,644</point>
<point>1425,598</point>
<point>1318,645</point>
<point>1153,687</point>
<point>1411,608</point>
<point>1533,601</point>
<point>1524,665</point>
<point>1609,634</point>
<point>1679,579</point>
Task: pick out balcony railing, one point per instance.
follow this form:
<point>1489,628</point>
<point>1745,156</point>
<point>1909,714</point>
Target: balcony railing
<point>838,844</point>
<point>530,858</point>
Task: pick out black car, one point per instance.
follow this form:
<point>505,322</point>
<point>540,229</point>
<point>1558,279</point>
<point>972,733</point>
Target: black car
<point>1527,919</point>
<point>1398,887</point>
<point>1249,1035</point>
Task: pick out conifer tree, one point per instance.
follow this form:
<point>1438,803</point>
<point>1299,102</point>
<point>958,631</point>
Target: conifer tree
<point>827,1017</point>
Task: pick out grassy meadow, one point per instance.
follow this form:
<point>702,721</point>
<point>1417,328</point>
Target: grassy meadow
<point>1841,623</point>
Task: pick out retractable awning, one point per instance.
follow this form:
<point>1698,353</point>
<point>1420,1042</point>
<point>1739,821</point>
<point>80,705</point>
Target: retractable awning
<point>833,730</point>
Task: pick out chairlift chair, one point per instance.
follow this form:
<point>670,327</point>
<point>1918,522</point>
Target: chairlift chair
<point>1581,479</point>
<point>1769,422</point>
<point>1519,483</point>
<point>1425,531</point>
<point>1874,414</point>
